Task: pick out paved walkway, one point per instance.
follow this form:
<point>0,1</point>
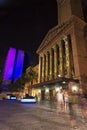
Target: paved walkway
<point>41,116</point>
<point>53,107</point>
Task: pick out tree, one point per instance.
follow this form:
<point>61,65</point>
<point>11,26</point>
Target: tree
<point>18,85</point>
<point>31,75</point>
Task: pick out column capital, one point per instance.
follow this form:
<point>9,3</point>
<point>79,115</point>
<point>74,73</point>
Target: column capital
<point>65,38</point>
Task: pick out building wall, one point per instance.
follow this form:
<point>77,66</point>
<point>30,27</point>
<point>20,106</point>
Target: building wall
<point>70,40</point>
<point>29,83</point>
<point>63,51</point>
<point>67,8</point>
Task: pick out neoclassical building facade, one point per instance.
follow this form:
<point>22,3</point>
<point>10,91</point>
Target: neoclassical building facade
<point>63,52</point>
<point>57,60</point>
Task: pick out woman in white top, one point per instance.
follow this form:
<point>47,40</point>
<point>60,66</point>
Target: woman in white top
<point>60,100</point>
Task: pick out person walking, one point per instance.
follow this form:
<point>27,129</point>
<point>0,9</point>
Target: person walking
<point>60,101</point>
<point>66,101</point>
<point>83,105</point>
<point>73,105</point>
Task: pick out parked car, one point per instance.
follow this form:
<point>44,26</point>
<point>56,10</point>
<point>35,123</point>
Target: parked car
<point>11,97</point>
<point>28,99</point>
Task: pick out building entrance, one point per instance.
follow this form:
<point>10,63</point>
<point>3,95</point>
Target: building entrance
<point>52,94</point>
<point>42,94</point>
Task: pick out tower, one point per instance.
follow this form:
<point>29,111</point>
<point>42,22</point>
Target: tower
<point>67,8</point>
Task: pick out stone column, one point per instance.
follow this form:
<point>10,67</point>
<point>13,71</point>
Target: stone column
<point>67,56</point>
<point>39,73</point>
<point>50,64</point>
<point>47,66</point>
<point>61,59</point>
<point>42,68</point>
<point>55,62</point>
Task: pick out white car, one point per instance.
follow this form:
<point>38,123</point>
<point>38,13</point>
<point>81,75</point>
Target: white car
<point>28,99</point>
<point>11,97</point>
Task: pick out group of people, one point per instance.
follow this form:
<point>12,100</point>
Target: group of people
<point>70,101</point>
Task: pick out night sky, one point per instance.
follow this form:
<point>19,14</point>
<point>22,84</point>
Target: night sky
<point>24,24</point>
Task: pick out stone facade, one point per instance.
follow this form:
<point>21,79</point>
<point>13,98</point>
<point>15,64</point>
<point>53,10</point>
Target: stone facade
<point>63,51</point>
<point>66,46</point>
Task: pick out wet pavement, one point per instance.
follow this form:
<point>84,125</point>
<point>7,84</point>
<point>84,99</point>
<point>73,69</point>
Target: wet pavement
<point>40,116</point>
<point>52,107</point>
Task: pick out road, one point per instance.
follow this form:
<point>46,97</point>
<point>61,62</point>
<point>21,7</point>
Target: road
<point>17,116</point>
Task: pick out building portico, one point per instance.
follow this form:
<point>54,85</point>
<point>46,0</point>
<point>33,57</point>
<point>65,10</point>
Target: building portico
<point>63,51</point>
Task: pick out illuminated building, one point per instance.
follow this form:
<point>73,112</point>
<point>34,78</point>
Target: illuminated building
<point>63,52</point>
<point>18,70</point>
<point>9,68</point>
<point>33,82</point>
<point>15,64</point>
<point>9,65</point>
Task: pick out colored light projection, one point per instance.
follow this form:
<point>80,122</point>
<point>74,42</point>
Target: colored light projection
<point>19,65</point>
<point>10,60</point>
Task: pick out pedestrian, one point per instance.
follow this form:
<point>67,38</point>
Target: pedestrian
<point>73,105</point>
<point>66,101</point>
<point>60,101</point>
<point>83,105</point>
<point>36,98</point>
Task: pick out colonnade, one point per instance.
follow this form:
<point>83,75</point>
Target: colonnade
<point>57,61</point>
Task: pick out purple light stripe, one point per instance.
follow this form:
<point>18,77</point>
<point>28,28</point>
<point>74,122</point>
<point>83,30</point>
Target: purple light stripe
<point>19,65</point>
<point>10,59</point>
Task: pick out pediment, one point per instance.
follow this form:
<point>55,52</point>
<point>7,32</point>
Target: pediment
<point>55,31</point>
<point>47,38</point>
<point>50,35</point>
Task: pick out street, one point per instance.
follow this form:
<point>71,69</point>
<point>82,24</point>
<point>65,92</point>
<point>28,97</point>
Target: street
<point>17,116</point>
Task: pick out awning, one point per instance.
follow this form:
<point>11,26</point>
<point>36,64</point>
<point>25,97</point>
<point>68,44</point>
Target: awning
<point>60,80</point>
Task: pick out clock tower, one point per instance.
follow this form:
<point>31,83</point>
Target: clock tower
<point>67,8</point>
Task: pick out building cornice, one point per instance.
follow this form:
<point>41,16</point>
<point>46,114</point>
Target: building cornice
<point>55,31</point>
<point>50,82</point>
